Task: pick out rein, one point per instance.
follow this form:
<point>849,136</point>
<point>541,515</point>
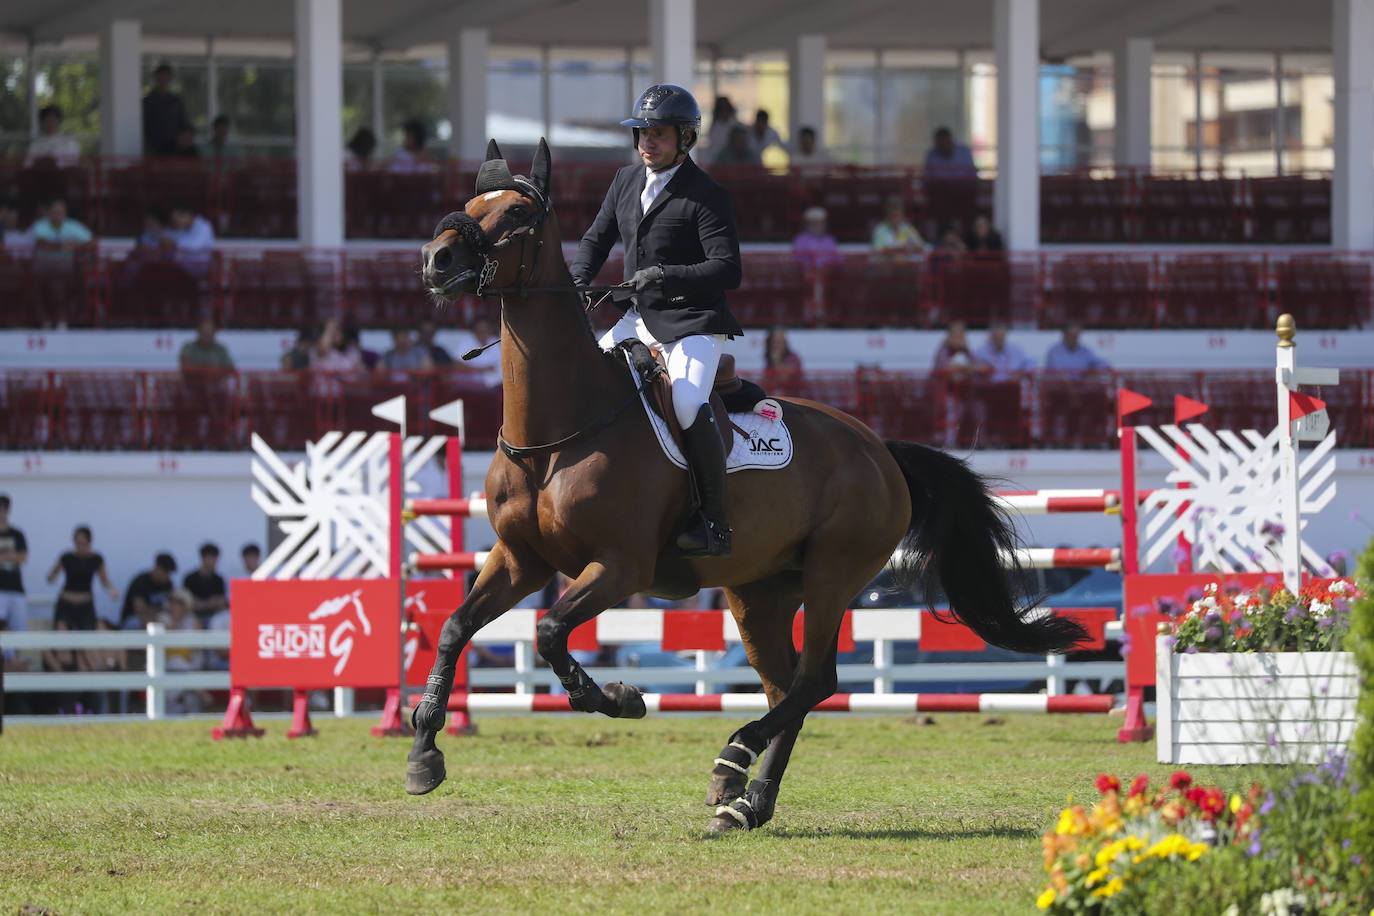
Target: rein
<point>517,452</point>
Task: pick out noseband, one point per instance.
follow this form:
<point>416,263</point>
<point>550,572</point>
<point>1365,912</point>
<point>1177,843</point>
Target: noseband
<point>476,241</point>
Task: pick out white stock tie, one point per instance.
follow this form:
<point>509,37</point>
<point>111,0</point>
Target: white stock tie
<point>651,189</point>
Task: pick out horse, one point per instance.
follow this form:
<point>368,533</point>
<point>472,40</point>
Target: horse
<point>580,486</point>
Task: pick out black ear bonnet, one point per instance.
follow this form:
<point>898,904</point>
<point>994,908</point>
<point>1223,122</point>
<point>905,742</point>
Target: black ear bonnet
<point>495,175</point>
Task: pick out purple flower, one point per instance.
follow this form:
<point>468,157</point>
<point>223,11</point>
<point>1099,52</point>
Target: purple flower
<point>1212,617</point>
<point>1268,802</point>
<point>1273,739</point>
<point>1292,614</point>
<point>1254,556</point>
<point>1340,606</point>
<point>1193,594</point>
<point>1180,554</point>
<point>1356,859</point>
<point>1273,529</point>
<point>1231,588</point>
<point>1168,606</point>
<point>1170,641</point>
<point>1354,515</point>
<point>1140,610</point>
<point>1326,622</point>
<point>1191,650</point>
<point>1212,633</point>
<point>1125,643</point>
<point>1255,847</point>
<point>1345,843</point>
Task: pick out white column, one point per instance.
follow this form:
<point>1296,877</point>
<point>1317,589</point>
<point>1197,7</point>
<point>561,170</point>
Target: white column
<point>673,42</point>
<point>319,123</point>
<point>806,87</point>
<point>1131,76</point>
<point>467,94</point>
<point>1016,28</point>
<point>1352,65</point>
<point>121,92</point>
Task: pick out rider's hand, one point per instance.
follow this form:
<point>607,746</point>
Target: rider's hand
<point>647,277</point>
<point>580,282</point>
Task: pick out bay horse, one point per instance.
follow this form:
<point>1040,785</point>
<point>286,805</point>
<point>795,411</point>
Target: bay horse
<point>581,486</point>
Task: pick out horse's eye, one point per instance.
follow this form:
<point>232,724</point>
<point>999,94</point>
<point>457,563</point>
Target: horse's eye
<point>517,210</point>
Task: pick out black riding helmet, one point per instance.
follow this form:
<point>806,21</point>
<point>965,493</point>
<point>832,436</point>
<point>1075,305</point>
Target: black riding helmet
<point>666,105</point>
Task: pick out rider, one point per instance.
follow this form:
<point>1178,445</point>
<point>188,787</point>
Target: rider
<point>681,254</point>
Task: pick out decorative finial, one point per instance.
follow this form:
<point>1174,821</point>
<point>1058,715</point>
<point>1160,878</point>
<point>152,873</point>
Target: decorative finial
<point>1163,629</point>
<point>1287,329</point>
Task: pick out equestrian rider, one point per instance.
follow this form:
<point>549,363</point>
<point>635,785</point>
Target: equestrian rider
<point>681,253</point>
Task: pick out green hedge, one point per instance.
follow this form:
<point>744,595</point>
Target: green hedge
<point>1362,758</point>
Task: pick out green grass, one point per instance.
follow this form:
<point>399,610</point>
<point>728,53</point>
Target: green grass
<point>877,815</point>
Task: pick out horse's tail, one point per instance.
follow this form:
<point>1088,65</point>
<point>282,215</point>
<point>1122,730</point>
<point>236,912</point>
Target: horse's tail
<point>961,540</point>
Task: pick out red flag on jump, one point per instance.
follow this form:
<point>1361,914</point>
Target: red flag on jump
<point>1128,401</point>
<point>1300,405</point>
<point>1186,408</point>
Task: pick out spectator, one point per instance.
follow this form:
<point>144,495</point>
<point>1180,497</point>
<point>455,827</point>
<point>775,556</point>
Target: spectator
<point>146,596</point>
<point>206,586</point>
<point>51,143</point>
<point>723,121</point>
<point>440,357</point>
<point>954,356</point>
<point>778,355</point>
<point>805,152</point>
<point>814,248</point>
<point>947,159</point>
<point>58,240</point>
<point>58,234</point>
<point>14,553</point>
<point>352,341</point>
<point>737,149</point>
<point>761,135</point>
<point>251,554</point>
<point>405,354</point>
<point>164,114</point>
<point>1006,359</point>
<point>949,247</point>
<point>184,146</point>
<point>983,237</point>
<point>358,152</point>
<point>1070,357</point>
<point>484,331</point>
<point>298,357</point>
<point>192,240</point>
<point>411,157</point>
<point>204,352</point>
<point>75,609</point>
<point>894,235</point>
<point>179,616</point>
<point>153,240</point>
<point>328,353</point>
<point>14,238</point>
<point>221,147</point>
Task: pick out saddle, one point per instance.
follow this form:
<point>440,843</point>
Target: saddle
<point>729,394</point>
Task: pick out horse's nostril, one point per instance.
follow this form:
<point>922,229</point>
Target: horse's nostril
<point>442,260</point>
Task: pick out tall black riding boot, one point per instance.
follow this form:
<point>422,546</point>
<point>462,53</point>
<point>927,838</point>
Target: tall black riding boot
<point>706,535</point>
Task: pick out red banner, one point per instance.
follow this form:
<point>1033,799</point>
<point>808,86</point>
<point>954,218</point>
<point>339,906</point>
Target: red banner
<point>429,604</point>
<point>314,634</point>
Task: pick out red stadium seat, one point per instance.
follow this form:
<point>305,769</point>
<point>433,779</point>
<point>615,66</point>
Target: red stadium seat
<point>1075,411</point>
<point>193,409</point>
<point>1160,387</point>
<point>260,200</point>
<point>905,405</point>
<point>774,290</point>
<point>1239,400</point>
<point>382,289</point>
<point>284,408</point>
<point>25,305</point>
<point>29,185</point>
<point>980,290</point>
<point>767,205</point>
<point>99,411</point>
<point>838,389</point>
<point>1213,291</point>
<point>859,292</point>
<point>156,294</point>
<point>358,394</point>
<point>1287,209</point>
<point>1082,208</point>
<point>26,409</point>
<point>391,205</point>
<point>854,197</point>
<point>282,289</point>
<point>984,414</point>
<point>1324,291</point>
<point>951,202</point>
<point>481,404</point>
<point>1187,209</point>
<point>131,188</point>
<point>1101,291</point>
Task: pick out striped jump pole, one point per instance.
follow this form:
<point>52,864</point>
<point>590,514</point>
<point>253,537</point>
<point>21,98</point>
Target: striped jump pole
<point>470,507</point>
<point>908,703</point>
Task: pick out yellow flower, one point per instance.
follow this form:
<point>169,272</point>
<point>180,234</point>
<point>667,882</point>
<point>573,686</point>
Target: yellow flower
<point>1109,852</point>
<point>1096,875</point>
<point>1045,899</point>
<point>1111,888</point>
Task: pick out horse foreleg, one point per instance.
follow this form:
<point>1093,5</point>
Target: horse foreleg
<point>600,585</point>
<point>502,582</point>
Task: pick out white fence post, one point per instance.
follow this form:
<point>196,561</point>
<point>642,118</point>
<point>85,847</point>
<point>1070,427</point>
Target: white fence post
<point>882,663</point>
<point>1054,684</point>
<point>702,664</point>
<point>523,667</point>
<point>157,667</point>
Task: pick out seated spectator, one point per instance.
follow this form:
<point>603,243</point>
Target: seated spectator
<point>814,248</point>
<point>179,616</point>
<point>437,354</point>
<point>778,355</point>
<point>298,357</point>
<point>894,235</point>
<point>164,114</point>
<point>203,351</point>
<point>405,354</point>
<point>14,239</point>
<point>75,608</point>
<point>221,147</point>
<point>947,159</point>
<point>761,136</point>
<point>352,340</point>
<point>251,554</point>
<point>56,236</point>
<point>982,236</point>
<point>329,355</point>
<point>954,356</point>
<point>209,595</point>
<point>153,241</point>
<point>358,152</point>
<point>1070,357</point>
<point>146,596</point>
<point>806,152</point>
<point>411,157</point>
<point>948,247</point>
<point>484,331</point>
<point>1006,359</point>
<point>192,240</point>
<point>737,149</point>
<point>51,144</point>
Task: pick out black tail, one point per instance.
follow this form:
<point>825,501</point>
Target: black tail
<point>962,540</point>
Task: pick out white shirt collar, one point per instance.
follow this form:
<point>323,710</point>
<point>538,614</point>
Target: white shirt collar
<point>662,177</point>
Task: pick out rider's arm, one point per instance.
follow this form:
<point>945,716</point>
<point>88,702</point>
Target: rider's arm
<point>720,268</point>
<point>596,244</point>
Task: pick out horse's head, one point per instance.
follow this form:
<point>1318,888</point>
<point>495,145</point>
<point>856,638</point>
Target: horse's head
<point>471,250</point>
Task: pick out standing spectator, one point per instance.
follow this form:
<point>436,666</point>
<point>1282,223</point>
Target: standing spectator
<point>328,353</point>
<point>192,238</point>
<point>982,237</point>
<point>737,149</point>
<point>1006,359</point>
<point>761,135</point>
<point>777,354</point>
<point>14,553</point>
<point>484,331</point>
<point>1070,357</point>
<point>411,157</point>
<point>206,585</point>
<point>947,159</point>
<point>251,554</point>
<point>204,352</point>
<point>440,357</point>
<point>164,114</point>
<point>146,596</point>
<point>12,237</point>
<point>298,357</point>
<point>358,152</point>
<point>806,152</point>
<point>723,121</point>
<point>75,609</point>
<point>894,235</point>
<point>404,354</point>
<point>51,143</point>
<point>814,248</point>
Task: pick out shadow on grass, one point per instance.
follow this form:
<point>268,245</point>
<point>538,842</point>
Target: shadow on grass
<point>1006,832</point>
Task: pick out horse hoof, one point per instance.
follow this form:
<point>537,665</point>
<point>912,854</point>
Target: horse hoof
<point>724,823</point>
<point>628,698</point>
<point>425,772</point>
<point>724,788</point>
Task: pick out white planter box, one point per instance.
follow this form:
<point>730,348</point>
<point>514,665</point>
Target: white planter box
<point>1275,707</point>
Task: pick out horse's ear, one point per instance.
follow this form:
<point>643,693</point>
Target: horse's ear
<point>540,168</point>
<point>493,151</point>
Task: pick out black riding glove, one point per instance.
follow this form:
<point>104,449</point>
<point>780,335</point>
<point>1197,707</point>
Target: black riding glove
<point>580,282</point>
<point>647,278</point>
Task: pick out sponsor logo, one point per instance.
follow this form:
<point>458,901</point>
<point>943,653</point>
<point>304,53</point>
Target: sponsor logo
<point>329,633</point>
<point>761,446</point>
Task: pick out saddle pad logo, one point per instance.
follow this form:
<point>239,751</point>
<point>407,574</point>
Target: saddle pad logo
<point>760,445</point>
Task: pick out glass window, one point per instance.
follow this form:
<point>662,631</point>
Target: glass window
<point>14,105</point>
<point>259,96</point>
<point>72,83</point>
<point>1172,106</point>
<point>851,107</point>
<point>357,98</point>
<point>515,95</point>
<point>981,106</point>
<point>414,90</point>
<point>916,102</point>
<point>1309,115</point>
<point>1077,116</point>
<point>588,93</point>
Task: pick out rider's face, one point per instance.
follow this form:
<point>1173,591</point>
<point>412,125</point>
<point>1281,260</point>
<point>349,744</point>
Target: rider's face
<point>658,146</point>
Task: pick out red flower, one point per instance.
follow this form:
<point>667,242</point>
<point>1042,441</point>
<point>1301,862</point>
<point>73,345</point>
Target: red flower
<point>1213,803</point>
<point>1142,782</point>
<point>1180,780</point>
<point>1195,795</point>
<point>1107,783</point>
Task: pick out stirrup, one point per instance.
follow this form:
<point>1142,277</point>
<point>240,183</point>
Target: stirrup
<point>705,538</point>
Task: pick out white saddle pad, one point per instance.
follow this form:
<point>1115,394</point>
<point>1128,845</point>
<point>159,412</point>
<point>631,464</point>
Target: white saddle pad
<point>765,446</point>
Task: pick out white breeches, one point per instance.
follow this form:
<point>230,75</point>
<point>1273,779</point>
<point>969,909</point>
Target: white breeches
<point>691,361</point>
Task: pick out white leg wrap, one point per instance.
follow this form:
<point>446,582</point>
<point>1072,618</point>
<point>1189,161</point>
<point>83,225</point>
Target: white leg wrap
<point>738,816</point>
<point>722,762</point>
<point>753,758</point>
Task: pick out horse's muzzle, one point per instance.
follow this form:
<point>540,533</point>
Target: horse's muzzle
<point>444,271</point>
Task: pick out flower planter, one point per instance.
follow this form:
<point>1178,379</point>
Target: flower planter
<point>1274,707</point>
